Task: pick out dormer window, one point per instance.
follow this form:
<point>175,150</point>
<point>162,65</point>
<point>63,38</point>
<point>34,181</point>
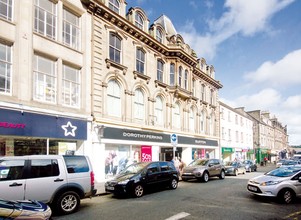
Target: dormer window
<point>139,21</point>
<point>114,5</point>
<point>159,35</point>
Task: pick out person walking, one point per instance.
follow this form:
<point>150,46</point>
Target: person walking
<point>265,160</point>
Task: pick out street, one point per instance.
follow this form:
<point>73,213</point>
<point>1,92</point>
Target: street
<point>217,199</point>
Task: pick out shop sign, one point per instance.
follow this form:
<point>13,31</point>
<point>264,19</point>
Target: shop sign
<point>17,123</point>
<point>146,153</point>
<point>227,150</point>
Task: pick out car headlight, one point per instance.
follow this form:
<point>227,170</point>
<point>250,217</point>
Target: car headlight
<point>269,183</point>
<point>124,182</point>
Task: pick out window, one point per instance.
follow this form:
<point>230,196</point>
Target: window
<point>76,164</point>
<point>5,68</point>
<point>160,70</point>
<point>44,168</point>
<point>159,110</point>
<point>223,133</point>
<point>11,169</point>
<point>202,122</point>
<point>139,21</point>
<point>211,124</point>
<point>172,74</point>
<point>140,60</point>
<point>193,88</point>
<point>114,99</point>
<point>71,86</point>
<point>114,5</point>
<point>139,105</point>
<point>159,35</point>
<point>203,92</point>
<point>191,120</point>
<point>45,18</point>
<point>44,71</point>
<point>186,80</point>
<point>71,30</point>
<point>177,116</point>
<point>211,97</point>
<point>180,76</point>
<point>6,9</point>
<point>236,119</point>
<point>115,48</point>
<point>229,135</point>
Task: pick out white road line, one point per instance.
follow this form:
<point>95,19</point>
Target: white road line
<point>178,216</point>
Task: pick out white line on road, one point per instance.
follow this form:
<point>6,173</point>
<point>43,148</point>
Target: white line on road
<point>178,216</point>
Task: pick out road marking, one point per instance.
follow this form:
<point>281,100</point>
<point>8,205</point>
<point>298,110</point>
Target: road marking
<point>178,216</point>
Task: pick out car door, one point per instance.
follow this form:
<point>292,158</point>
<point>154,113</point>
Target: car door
<point>212,168</point>
<point>165,172</point>
<point>297,183</point>
<point>153,175</point>
<point>12,179</point>
<point>45,178</point>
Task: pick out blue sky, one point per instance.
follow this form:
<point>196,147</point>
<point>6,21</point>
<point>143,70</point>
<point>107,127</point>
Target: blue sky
<point>254,46</point>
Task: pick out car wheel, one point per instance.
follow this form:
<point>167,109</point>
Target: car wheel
<point>205,177</point>
<point>174,183</point>
<point>286,195</point>
<point>138,190</point>
<point>235,172</point>
<point>67,203</point>
<point>222,175</point>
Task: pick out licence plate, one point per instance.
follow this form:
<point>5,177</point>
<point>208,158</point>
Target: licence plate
<point>252,188</point>
<point>110,188</point>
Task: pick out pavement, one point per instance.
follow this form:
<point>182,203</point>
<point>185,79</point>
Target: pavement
<point>100,186</point>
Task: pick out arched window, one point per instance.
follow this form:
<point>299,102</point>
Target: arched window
<point>114,99</point>
<point>172,74</point>
<point>186,80</point>
<point>180,76</point>
<point>203,93</point>
<point>160,66</point>
<point>159,110</point>
<point>139,21</point>
<point>177,116</point>
<point>114,5</point>
<point>115,48</point>
<point>140,60</point>
<point>191,120</point>
<point>211,124</point>
<point>139,112</point>
<point>159,35</point>
<point>202,122</point>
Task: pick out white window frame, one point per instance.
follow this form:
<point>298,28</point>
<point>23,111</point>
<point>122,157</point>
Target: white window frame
<point>140,60</point>
<point>114,5</point>
<point>71,28</point>
<point>71,86</point>
<point>7,7</point>
<point>139,108</point>
<point>139,22</point>
<point>6,64</point>
<point>159,110</point>
<point>114,48</point>
<point>114,98</point>
<point>177,116</point>
<point>159,35</point>
<point>160,67</point>
<point>41,24</point>
<point>172,74</point>
<point>191,120</point>
<point>45,80</point>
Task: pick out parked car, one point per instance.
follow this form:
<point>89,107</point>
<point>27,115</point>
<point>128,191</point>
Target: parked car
<point>234,168</point>
<point>136,178</point>
<point>60,181</point>
<point>279,162</point>
<point>26,209</point>
<point>203,169</point>
<point>283,183</point>
<point>290,163</point>
<point>250,166</point>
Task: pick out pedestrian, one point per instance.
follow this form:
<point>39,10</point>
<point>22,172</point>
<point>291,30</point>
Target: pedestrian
<point>181,167</point>
<point>265,160</point>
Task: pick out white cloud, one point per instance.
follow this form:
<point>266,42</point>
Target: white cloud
<point>241,17</point>
<point>286,71</point>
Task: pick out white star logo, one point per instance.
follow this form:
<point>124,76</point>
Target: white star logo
<point>69,129</point>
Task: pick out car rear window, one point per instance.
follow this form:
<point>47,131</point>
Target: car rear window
<point>76,164</point>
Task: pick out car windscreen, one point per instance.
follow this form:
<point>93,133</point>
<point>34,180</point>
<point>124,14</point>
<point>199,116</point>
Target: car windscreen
<point>284,171</point>
<point>199,163</point>
<point>134,168</point>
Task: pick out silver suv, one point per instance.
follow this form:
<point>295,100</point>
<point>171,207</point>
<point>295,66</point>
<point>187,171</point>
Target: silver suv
<point>203,169</point>
<point>60,181</point>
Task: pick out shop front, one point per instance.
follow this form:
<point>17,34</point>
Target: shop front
<point>122,147</point>
<point>26,133</point>
<point>227,153</point>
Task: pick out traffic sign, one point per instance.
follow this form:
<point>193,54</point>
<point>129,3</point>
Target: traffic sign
<point>173,139</point>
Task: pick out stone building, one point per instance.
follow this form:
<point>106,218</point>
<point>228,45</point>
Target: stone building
<point>152,98</point>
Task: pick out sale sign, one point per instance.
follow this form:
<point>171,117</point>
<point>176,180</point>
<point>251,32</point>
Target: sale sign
<point>146,153</point>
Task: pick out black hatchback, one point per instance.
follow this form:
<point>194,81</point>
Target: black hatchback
<point>136,178</point>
